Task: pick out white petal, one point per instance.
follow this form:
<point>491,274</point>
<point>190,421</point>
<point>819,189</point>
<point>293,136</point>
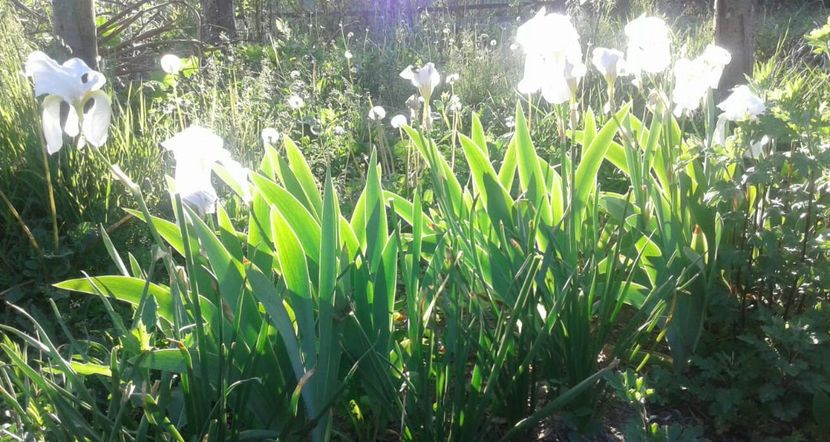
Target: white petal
<point>72,125</point>
<point>52,131</point>
<point>649,46</point>
<point>195,142</point>
<point>71,81</point>
<point>90,80</point>
<point>556,91</point>
<point>202,201</point>
<point>50,78</point>
<point>719,135</point>
<point>756,149</point>
<point>407,73</point>
<point>97,119</point>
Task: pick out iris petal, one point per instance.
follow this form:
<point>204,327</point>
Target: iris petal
<point>72,125</point>
<point>97,119</point>
<point>52,131</point>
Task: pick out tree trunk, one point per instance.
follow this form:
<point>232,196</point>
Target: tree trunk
<point>735,31</point>
<point>217,20</point>
<point>74,23</point>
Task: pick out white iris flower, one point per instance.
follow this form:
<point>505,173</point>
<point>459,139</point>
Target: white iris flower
<point>649,45</point>
<point>553,57</point>
<point>609,62</point>
<point>197,150</point>
<point>425,78</point>
<point>742,105</point>
<point>78,85</point>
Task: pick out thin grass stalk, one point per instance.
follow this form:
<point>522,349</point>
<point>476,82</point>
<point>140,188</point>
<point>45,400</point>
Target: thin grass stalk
<point>22,224</point>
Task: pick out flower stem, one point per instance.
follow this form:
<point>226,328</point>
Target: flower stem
<point>51,195</point>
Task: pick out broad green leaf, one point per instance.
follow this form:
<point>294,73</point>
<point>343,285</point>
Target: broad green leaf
<point>616,156</point>
<point>303,173</point>
<point>495,198</point>
<point>129,290</point>
<point>89,368</point>
<point>507,172</point>
<point>260,244</point>
<point>405,210</point>
<point>227,233</point>
<point>384,299</point>
<point>302,222</point>
<point>556,190</point>
<point>440,168</point>
<point>265,292</point>
<point>295,273</point>
<point>123,288</point>
<point>592,156</point>
<point>167,359</point>
<point>478,136</point>
<point>329,248</point>
<point>375,225</point>
<point>590,129</point>
<point>168,230</point>
<point>230,275</point>
<point>531,179</point>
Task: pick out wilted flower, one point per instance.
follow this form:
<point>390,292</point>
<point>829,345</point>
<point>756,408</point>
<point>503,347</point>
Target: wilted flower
<point>171,64</point>
<point>451,79</point>
<point>742,105</point>
<point>377,113</point>
<point>425,78</point>
<point>295,102</point>
<point>270,136</point>
<point>196,150</point>
<point>649,45</point>
<point>398,121</point>
<point>76,84</point>
<point>348,55</point>
<point>609,62</point>
<point>553,63</point>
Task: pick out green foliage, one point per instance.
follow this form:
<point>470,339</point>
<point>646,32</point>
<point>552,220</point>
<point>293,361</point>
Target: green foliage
<point>768,379</point>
